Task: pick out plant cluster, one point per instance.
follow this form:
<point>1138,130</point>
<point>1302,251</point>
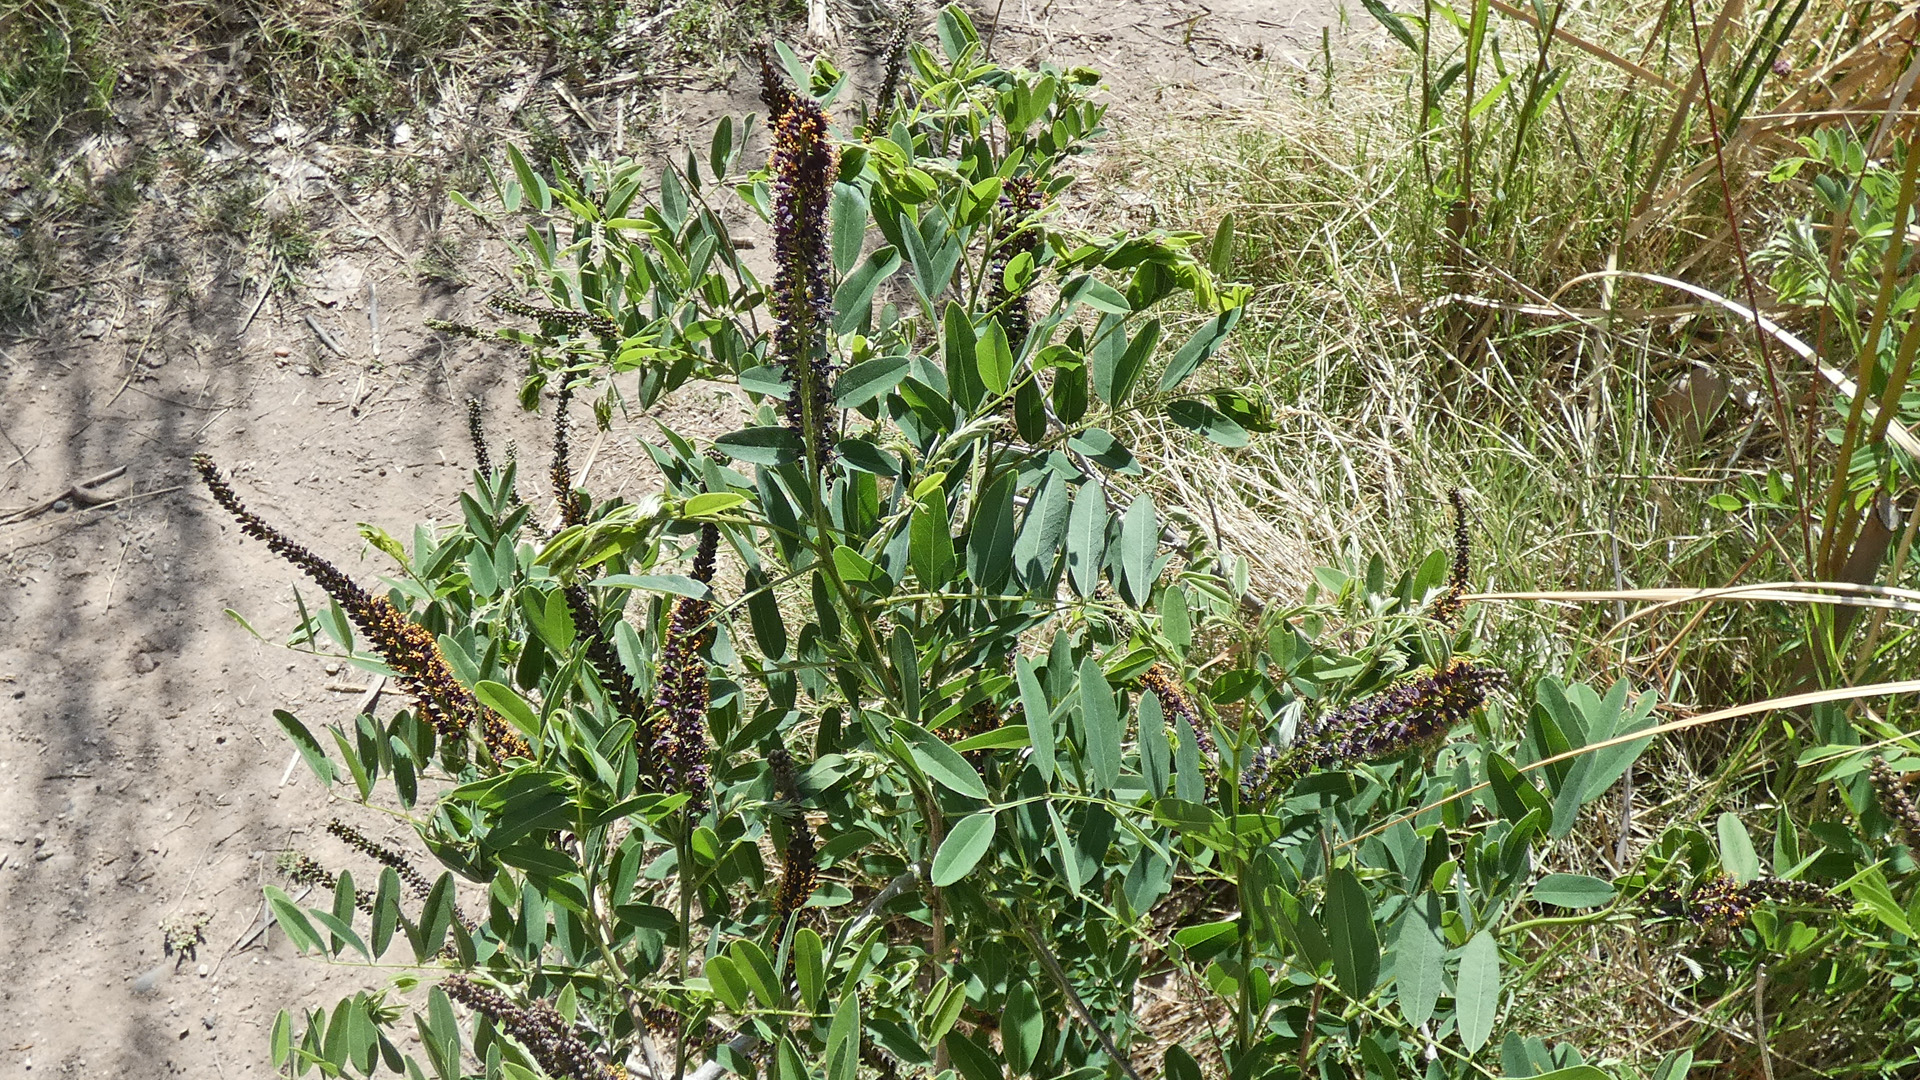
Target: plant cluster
<point>904,733</point>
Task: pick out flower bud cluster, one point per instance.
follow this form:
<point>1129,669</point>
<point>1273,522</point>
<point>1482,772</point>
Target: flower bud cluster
<point>801,873</point>
<point>414,880</point>
<point>1722,904</point>
<point>1175,705</point>
<point>1447,608</point>
<point>802,164</point>
<point>573,504</point>
<point>571,320</point>
<point>1020,203</point>
<point>560,1051</point>
<point>1413,714</point>
<point>673,741</point>
<point>407,647</point>
<point>1895,799</point>
<point>302,869</point>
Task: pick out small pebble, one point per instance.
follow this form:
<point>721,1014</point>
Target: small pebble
<point>202,971</point>
<point>283,351</point>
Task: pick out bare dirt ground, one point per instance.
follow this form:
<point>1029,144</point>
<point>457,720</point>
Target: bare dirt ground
<point>143,782</point>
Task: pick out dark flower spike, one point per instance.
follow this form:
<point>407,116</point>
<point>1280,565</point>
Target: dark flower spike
<point>773,89</point>
<point>560,1051</point>
<point>406,646</point>
<point>673,742</point>
<point>573,504</point>
<point>1019,203</point>
<point>458,329</point>
<point>1175,705</point>
<point>802,164</point>
<point>415,881</point>
<point>601,653</point>
<point>1895,799</point>
<point>571,320</point>
<point>1448,607</point>
<point>477,432</point>
<point>901,22</point>
<point>1723,904</point>
<point>1269,772</point>
<point>801,874</point>
<point>303,870</point>
<point>786,780</point>
<point>1411,715</point>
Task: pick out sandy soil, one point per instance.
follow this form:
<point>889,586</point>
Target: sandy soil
<point>143,782</point>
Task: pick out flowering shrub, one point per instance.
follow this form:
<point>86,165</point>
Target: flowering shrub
<point>904,732</point>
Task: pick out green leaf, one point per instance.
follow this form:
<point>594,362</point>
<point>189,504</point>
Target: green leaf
<point>1204,342</point>
<point>342,930</point>
<point>1188,781</point>
<point>1139,543</point>
<point>1063,850</point>
<point>503,700</point>
<point>1033,702</point>
<point>281,1039</point>
<point>869,379</point>
<point>962,358</point>
<point>309,747</point>
<point>1220,251</point>
<point>1022,1026</point>
<point>930,545</point>
<point>994,358</point>
<point>1869,887</point>
<point>1156,753</point>
<point>1010,736</point>
<point>728,984</point>
<point>707,504</point>
<point>1419,962</point>
<point>751,961</point>
<point>298,929</point>
<point>436,918</point>
<point>962,849</point>
<point>1087,538</point>
<point>990,541</point>
<point>940,762</point>
<point>761,445</point>
<point>943,1008</point>
<point>1100,717</point>
<point>855,570</point>
<point>1041,533</point>
<point>1572,1072</point>
<point>1477,990</point>
<point>1394,24</point>
<point>849,226</point>
<point>843,1039</point>
<point>853,300</point>
<point>1084,289</point>
<point>906,667</point>
<point>1180,1065</point>
<point>1134,361</point>
<point>769,380</point>
<point>1737,856</point>
<point>972,1060</point>
<point>1350,932</point>
<point>809,966</point>
<point>676,584</point>
<point>763,612</point>
<point>1573,891</point>
<point>1208,421</point>
<point>386,910</point>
